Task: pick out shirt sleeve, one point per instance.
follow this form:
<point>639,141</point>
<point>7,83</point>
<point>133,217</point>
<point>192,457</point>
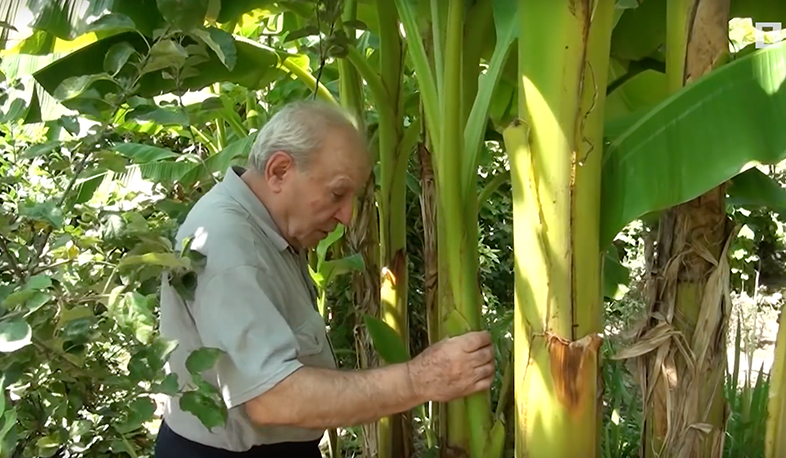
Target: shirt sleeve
<point>235,313</point>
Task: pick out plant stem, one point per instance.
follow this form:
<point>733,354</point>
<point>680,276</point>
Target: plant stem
<point>309,80</point>
<point>425,76</point>
<point>11,258</point>
<point>492,186</point>
<point>381,97</point>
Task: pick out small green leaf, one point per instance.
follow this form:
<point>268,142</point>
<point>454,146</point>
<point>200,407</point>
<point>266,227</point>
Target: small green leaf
<point>17,297</point>
<point>754,188</point>
<point>48,445</point>
<point>47,212</point>
<point>117,57</point>
<point>356,24</point>
<point>9,420</point>
<point>183,14</point>
<point>302,33</point>
<point>38,300</point>
<point>14,334</point>
<point>209,412</point>
<point>139,368</point>
<point>132,311</point>
<point>165,54</point>
<point>40,150</point>
<point>329,240</point>
<point>113,22</point>
<point>70,123</point>
<point>158,259</point>
<point>140,411</point>
<point>387,343</point>
<point>168,386</point>
<point>221,43</point>
<point>332,269</point>
<point>139,317</point>
<point>160,351</point>
<point>76,85</point>
<point>615,275</point>
<point>39,282</point>
<point>202,359</point>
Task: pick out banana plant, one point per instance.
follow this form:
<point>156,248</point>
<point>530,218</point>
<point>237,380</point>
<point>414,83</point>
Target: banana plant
<point>456,101</point>
<point>569,205</point>
<point>556,150</point>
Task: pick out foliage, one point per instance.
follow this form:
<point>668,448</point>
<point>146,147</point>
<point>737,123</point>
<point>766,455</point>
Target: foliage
<point>86,237</point>
<point>103,152</point>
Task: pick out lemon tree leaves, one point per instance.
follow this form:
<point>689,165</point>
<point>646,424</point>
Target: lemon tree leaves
<point>205,401</point>
<point>14,334</point>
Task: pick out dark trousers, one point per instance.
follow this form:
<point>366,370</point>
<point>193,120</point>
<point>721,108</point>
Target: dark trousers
<point>169,444</point>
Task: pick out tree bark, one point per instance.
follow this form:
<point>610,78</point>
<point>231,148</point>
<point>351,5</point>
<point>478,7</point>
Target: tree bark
<point>682,378</point>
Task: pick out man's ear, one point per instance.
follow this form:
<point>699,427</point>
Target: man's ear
<point>279,165</point>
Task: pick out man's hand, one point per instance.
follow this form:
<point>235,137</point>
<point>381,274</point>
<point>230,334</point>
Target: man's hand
<point>326,398</point>
<point>453,368</point>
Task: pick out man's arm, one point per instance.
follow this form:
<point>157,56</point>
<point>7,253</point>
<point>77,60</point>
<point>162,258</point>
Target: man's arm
<point>323,398</point>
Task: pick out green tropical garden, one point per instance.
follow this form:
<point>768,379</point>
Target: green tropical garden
<point>599,183</point>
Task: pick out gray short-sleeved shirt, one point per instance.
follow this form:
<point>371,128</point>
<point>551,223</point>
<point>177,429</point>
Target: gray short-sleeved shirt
<point>255,301</point>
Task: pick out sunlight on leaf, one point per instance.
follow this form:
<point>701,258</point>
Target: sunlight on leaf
<point>14,334</point>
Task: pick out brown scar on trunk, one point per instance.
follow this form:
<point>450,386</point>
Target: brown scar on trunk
<point>396,265</point>
<point>569,364</point>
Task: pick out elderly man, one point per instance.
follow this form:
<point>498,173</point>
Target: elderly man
<point>255,301</point>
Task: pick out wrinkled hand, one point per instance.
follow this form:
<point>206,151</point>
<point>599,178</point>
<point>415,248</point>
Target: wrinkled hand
<point>453,368</point>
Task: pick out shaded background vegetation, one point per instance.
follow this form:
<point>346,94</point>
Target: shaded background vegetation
<point>90,181</point>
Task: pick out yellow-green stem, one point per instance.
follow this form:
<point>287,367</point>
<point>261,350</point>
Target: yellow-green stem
<point>308,79</point>
<point>386,87</point>
<point>677,23</point>
<point>555,151</point>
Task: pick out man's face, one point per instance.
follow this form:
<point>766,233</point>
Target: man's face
<point>323,195</point>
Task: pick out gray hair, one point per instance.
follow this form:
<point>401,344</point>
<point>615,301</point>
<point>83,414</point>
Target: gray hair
<point>298,129</point>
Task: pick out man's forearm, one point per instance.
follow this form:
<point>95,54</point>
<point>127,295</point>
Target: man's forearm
<point>323,398</point>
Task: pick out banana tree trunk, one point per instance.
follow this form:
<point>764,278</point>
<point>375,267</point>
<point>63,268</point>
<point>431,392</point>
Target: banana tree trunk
<point>555,151</point>
<point>428,215</point>
<point>682,379</point>
<point>363,235</point>
<point>395,438</point>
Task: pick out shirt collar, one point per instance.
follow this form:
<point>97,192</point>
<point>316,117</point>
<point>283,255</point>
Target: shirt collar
<point>241,193</point>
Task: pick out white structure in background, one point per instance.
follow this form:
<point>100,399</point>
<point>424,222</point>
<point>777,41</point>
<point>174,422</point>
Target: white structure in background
<point>761,27</point>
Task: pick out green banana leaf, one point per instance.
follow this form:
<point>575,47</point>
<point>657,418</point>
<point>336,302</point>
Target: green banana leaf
<point>41,105</point>
<point>635,86</point>
<point>640,31</point>
<point>387,343</point>
<point>759,10</point>
<point>615,276</point>
<point>68,19</point>
<point>701,136</point>
<point>754,188</point>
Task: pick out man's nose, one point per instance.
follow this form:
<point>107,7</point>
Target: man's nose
<point>344,214</point>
